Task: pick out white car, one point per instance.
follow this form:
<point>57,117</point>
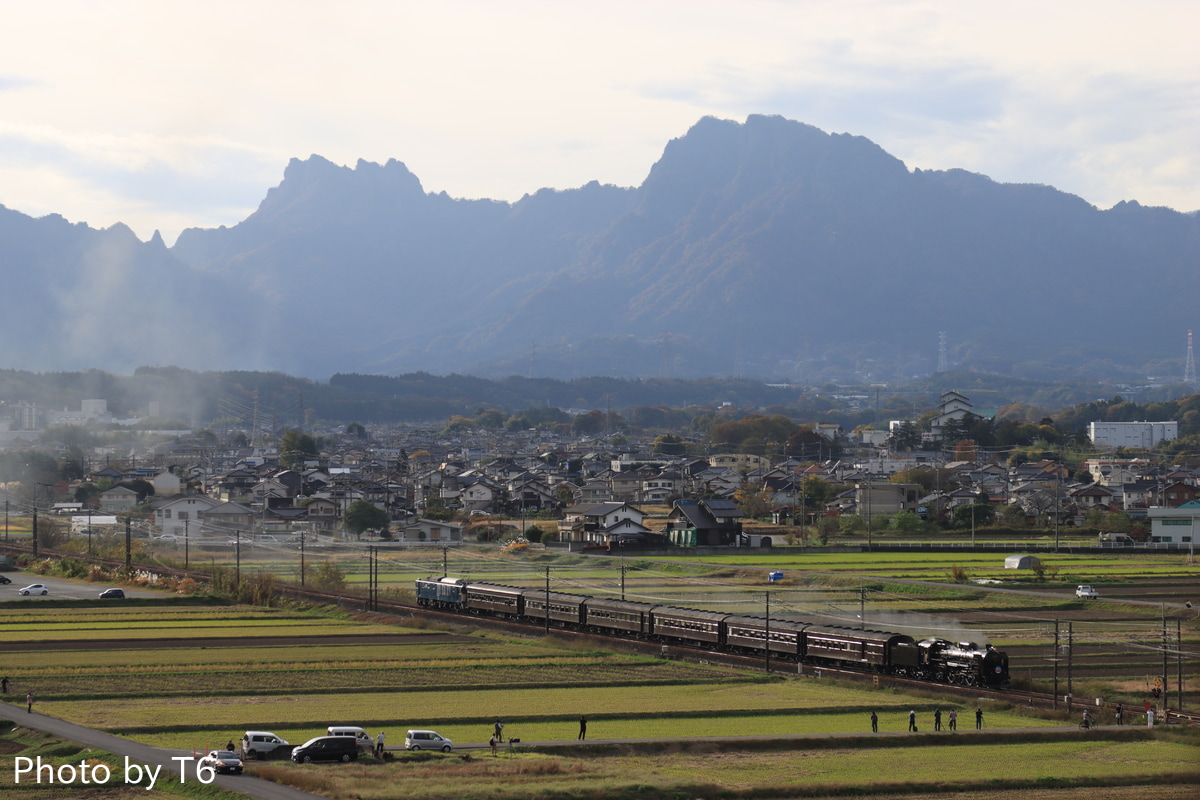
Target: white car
<point>427,740</point>
<point>35,588</point>
<point>1085,592</point>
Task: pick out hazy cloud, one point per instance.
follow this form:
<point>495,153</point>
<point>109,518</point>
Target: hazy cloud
<point>160,117</point>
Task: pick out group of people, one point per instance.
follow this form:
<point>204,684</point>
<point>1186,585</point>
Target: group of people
<point>497,737</point>
<point>952,718</point>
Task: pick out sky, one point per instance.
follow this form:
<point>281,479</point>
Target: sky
<point>166,115</point>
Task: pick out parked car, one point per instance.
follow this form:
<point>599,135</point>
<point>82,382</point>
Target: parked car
<point>262,744</point>
<point>427,740</point>
<point>361,737</point>
<point>326,748</point>
<point>1085,592</point>
<point>113,594</point>
<point>225,761</point>
<point>35,588</point>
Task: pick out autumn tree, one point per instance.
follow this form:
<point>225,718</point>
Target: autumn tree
<point>296,447</point>
<point>753,499</point>
<point>965,450</point>
<point>361,515</point>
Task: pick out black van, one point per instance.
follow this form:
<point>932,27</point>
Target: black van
<point>326,748</point>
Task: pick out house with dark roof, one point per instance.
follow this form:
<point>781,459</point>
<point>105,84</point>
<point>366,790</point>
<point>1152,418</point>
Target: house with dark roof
<point>596,522</point>
<point>1091,496</point>
<point>1177,494</point>
<point>704,523</point>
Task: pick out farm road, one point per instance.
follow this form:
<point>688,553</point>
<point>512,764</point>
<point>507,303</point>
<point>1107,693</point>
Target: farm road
<point>145,755</point>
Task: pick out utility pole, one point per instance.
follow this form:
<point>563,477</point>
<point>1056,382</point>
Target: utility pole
<point>238,556</point>
<point>1178,665</point>
<point>547,600</point>
<point>445,560</point>
<point>868,499</point>
<point>862,606</point>
<point>35,532</point>
<point>89,529</point>
<point>303,536</point>
<point>1166,642</point>
<point>371,565</point>
<point>1055,660</point>
<point>1057,485</point>
<point>624,569</point>
<point>128,546</point>
<point>768,633</point>
<point>1070,664</point>
<point>186,544</point>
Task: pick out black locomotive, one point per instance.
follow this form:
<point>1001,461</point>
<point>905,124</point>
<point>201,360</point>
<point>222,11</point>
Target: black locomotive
<point>936,660</point>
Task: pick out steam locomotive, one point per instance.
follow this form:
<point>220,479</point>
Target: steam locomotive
<point>935,660</point>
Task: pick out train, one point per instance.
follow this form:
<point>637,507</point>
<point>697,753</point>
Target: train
<point>935,660</point>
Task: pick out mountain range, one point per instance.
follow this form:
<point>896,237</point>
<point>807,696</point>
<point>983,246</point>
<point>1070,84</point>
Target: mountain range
<point>766,249</point>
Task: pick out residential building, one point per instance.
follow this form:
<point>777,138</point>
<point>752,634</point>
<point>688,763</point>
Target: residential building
<point>1174,525</point>
<point>180,516</point>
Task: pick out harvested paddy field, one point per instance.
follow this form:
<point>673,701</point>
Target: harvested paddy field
<point>192,677</point>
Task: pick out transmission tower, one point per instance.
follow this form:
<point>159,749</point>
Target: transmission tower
<point>943,362</point>
<point>664,344</point>
<point>1189,366</point>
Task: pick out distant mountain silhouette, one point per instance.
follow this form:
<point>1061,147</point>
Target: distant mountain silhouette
<point>78,298</point>
<point>768,249</point>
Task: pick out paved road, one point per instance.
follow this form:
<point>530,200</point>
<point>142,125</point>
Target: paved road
<point>146,756</point>
<point>61,589</point>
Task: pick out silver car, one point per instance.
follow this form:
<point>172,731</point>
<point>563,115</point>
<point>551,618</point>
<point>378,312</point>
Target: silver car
<point>427,740</point>
<point>35,588</point>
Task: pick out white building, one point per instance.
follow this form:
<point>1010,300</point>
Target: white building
<point>1140,435</point>
<point>182,515</point>
<point>1174,525</point>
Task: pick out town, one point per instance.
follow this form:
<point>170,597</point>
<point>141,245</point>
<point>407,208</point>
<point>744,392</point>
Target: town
<point>419,486</point>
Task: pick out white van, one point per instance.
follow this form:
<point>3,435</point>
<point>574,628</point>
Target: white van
<point>360,736</point>
<point>262,744</point>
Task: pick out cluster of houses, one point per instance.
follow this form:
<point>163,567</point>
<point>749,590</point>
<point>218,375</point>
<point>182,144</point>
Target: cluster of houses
<point>203,492</point>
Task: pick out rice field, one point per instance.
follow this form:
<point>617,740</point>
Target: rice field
<point>132,670</point>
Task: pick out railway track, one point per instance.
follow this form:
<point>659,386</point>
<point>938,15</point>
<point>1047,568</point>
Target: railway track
<point>675,651</point>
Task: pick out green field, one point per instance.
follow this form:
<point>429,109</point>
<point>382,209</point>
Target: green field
<point>133,673</point>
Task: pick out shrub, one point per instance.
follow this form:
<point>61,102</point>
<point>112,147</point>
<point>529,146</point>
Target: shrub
<point>327,575</point>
